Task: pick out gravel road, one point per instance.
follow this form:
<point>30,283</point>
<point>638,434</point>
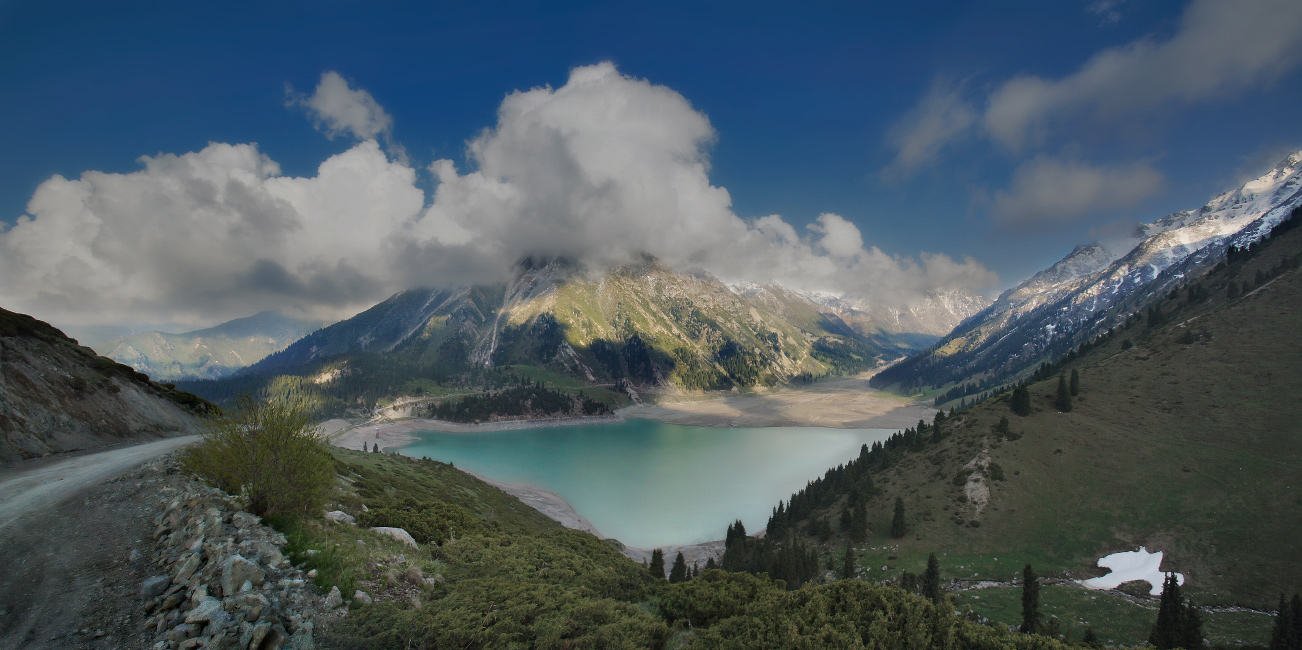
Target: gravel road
<point>74,541</point>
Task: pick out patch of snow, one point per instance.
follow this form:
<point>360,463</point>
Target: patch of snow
<point>1128,566</point>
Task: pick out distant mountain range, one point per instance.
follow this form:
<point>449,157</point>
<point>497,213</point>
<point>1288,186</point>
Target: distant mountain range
<point>1099,285</point>
<point>208,353</point>
<point>636,326</point>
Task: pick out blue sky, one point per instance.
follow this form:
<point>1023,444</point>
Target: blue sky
<point>1006,132</point>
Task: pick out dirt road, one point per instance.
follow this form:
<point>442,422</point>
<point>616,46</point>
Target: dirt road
<point>74,543</point>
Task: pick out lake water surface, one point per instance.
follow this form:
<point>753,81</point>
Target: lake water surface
<point>652,484</point>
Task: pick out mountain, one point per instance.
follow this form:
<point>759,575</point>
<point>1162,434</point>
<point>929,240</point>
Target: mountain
<point>906,328</point>
<point>642,325</point>
<point>1099,286</point>
<point>57,396</point>
<point>208,353</point>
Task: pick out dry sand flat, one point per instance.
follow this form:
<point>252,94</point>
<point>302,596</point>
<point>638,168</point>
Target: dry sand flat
<point>845,403</point>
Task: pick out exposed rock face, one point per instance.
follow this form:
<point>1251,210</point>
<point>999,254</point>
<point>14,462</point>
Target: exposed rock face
<point>58,396</point>
<point>228,584</point>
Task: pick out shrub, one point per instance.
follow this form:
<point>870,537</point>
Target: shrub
<point>268,451</point>
<point>429,523</point>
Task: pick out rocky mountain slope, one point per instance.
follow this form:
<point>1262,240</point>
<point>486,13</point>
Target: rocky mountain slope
<point>1100,285</point>
<point>56,395</point>
<point>208,353</point>
<point>644,324</point>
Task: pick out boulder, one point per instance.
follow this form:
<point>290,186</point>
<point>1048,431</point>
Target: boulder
<point>334,598</point>
<point>235,570</point>
<point>204,611</point>
<point>340,517</point>
<point>155,586</point>
<point>362,598</point>
<point>186,567</point>
<point>398,534</point>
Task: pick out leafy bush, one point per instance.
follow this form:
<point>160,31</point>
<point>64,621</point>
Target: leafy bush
<point>270,452</point>
<point>430,522</point>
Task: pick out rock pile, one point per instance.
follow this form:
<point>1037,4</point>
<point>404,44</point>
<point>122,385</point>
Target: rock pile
<point>224,581</point>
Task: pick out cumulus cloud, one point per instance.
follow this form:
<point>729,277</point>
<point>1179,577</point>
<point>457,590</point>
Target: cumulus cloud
<point>1048,190</point>
<point>213,233</point>
<point>602,171</point>
<point>338,109</point>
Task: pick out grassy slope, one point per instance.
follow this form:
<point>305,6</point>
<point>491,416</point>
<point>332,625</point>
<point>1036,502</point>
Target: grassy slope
<point>1191,449</point>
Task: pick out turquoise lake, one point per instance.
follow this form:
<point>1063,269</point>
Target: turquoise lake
<point>652,484</point>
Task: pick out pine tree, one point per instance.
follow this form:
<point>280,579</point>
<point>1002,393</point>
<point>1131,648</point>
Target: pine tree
<point>1091,639</point>
<point>931,579</point>
<point>710,564</point>
<point>1287,634</point>
<point>848,563</point>
<point>657,567</point>
<point>1064,397</point>
<point>1178,623</point>
<point>1022,401</point>
<point>898,525</point>
<point>1075,382</point>
<point>859,523</point>
<point>1030,601</point>
<point>679,572</point>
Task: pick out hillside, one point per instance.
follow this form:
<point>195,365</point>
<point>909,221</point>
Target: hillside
<point>630,327</point>
<point>1099,285</point>
<point>58,396</point>
<point>1181,440</point>
<point>208,353</point>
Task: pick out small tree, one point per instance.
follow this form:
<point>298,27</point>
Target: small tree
<point>268,451</point>
<point>1022,401</point>
<point>848,563</point>
<point>931,579</point>
<point>1063,402</point>
<point>679,572</point>
<point>1075,382</point>
<point>1178,623</point>
<point>898,526</point>
<point>657,566</point>
<point>1091,639</point>
<point>1030,601</point>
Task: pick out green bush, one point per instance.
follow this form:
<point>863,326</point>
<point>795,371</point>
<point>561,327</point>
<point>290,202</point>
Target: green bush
<point>269,452</point>
<point>430,522</point>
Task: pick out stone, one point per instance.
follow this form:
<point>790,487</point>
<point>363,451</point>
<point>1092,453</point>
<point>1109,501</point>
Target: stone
<point>301,640</point>
<point>155,586</point>
<point>181,632</point>
<point>398,534</point>
<point>311,575</point>
<point>204,611</point>
<point>235,570</point>
<point>362,598</point>
<point>247,586</point>
<point>245,520</point>
<point>191,644</point>
<point>334,598</point>
<point>219,621</point>
<point>186,568</point>
<point>170,602</point>
<point>340,517</point>
<point>269,552</point>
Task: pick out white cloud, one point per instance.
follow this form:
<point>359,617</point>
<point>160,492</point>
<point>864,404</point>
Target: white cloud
<point>942,117</point>
<point>1108,10</point>
<point>1048,190</point>
<point>602,170</point>
<point>338,109</point>
<point>1220,48</point>
<point>210,234</point>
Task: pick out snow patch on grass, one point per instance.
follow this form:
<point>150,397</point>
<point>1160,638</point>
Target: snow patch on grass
<point>1132,565</point>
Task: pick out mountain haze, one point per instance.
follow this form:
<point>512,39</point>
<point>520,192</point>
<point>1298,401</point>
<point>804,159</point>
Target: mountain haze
<point>208,353</point>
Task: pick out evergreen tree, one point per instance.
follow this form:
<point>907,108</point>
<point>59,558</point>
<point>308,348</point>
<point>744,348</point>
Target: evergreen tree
<point>1030,601</point>
<point>931,580</point>
<point>1287,634</point>
<point>898,525</point>
<point>1075,382</point>
<point>1063,402</point>
<point>1022,401</point>
<point>848,563</point>
<point>1091,639</point>
<point>710,564</point>
<point>859,523</point>
<point>1178,623</point>
<point>1232,291</point>
<point>657,567</point>
<point>1003,428</point>
<point>679,572</point>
